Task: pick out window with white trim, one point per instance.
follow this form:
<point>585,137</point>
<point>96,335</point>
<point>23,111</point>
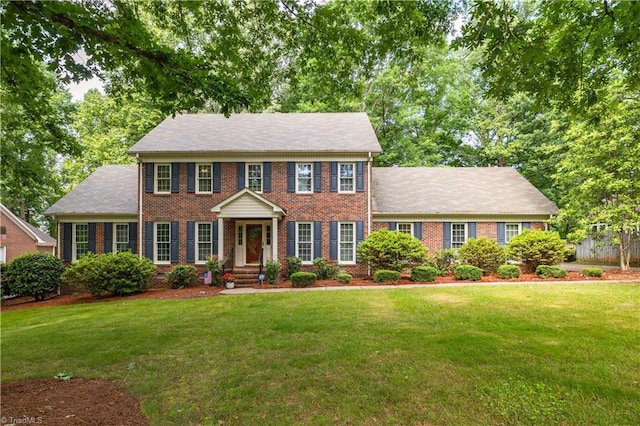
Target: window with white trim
<point>304,241</point>
<point>203,241</point>
<point>121,237</point>
<point>254,177</point>
<point>347,242</point>
<point>458,234</point>
<point>205,175</point>
<point>510,231</point>
<point>80,240</point>
<point>162,242</point>
<point>347,177</point>
<point>304,178</point>
<point>3,254</point>
<point>405,228</point>
<point>163,178</point>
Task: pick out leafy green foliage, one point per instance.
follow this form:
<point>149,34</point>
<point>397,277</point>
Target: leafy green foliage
<point>215,266</point>
<point>120,273</point>
<point>508,271</point>
<point>386,276</point>
<point>467,272</point>
<point>445,260</point>
<point>273,271</point>
<point>182,276</point>
<point>303,279</point>
<point>424,274</point>
<point>547,271</point>
<point>325,270</point>
<point>34,274</point>
<point>396,251</point>
<point>534,248</point>
<point>344,278</point>
<point>485,253</point>
<point>294,264</point>
<point>592,272</point>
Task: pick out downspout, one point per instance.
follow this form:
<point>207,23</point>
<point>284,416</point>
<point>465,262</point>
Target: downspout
<point>139,206</point>
<point>369,168</point>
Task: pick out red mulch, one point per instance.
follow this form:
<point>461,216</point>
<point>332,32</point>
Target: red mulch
<point>79,401</point>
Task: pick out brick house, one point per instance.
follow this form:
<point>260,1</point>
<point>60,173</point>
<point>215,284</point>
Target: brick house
<point>269,186</point>
<point>18,237</point>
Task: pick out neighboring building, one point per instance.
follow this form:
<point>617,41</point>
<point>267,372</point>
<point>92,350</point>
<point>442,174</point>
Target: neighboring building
<point>281,185</point>
<point>18,237</point>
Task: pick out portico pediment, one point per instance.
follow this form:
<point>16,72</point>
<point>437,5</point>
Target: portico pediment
<point>247,204</point>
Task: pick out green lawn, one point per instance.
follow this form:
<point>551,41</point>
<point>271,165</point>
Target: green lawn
<point>530,354</point>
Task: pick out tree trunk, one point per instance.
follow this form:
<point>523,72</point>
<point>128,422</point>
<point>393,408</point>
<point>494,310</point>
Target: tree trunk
<point>625,250</point>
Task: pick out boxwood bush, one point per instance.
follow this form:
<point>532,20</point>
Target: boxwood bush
<point>467,272</point>
<point>592,272</point>
<point>386,276</point>
<point>446,260</point>
<point>34,274</point>
<point>272,271</point>
<point>534,248</point>
<point>483,253</point>
<point>424,274</point>
<point>391,250</point>
<point>343,278</point>
<point>325,270</point>
<point>182,276</point>
<point>508,271</point>
<point>548,271</point>
<point>303,279</point>
<point>294,264</point>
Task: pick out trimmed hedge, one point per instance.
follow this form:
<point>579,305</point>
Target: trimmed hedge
<point>548,271</point>
<point>344,278</point>
<point>424,274</point>
<point>386,276</point>
<point>33,274</point>
<point>391,250</point>
<point>592,272</point>
<point>534,248</point>
<point>272,271</point>
<point>325,270</point>
<point>467,272</point>
<point>484,253</point>
<point>182,276</point>
<point>303,279</point>
<point>294,264</point>
<point>508,271</point>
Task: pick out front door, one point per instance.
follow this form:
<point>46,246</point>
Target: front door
<point>254,243</point>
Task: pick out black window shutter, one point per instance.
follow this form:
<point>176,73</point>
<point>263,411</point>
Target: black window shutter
<point>148,177</point>
<point>240,179</point>
<point>191,177</point>
<point>133,237</point>
<point>108,237</point>
<point>291,176</point>
<point>92,237</point>
<point>217,177</point>
<point>214,226</point>
<point>502,237</point>
<point>393,226</point>
<point>446,235</point>
<point>67,241</point>
<point>359,176</point>
<point>191,241</point>
<point>148,240</point>
<point>333,176</point>
<point>266,176</point>
<point>317,176</point>
<point>359,231</point>
<point>333,240</point>
<point>417,230</point>
<point>174,242</point>
<point>471,230</point>
<point>317,239</point>
<point>175,177</point>
<point>291,238</point>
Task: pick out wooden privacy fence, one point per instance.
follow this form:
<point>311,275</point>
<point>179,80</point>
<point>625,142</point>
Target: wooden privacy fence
<point>605,251</point>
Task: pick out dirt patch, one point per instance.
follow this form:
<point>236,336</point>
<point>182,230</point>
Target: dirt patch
<point>69,402</point>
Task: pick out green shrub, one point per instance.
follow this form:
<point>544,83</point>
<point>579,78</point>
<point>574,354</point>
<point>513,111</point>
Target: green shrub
<point>343,278</point>
<point>216,267</point>
<point>592,272</point>
<point>508,271</point>
<point>467,272</point>
<point>325,270</point>
<point>303,279</point>
<point>294,264</point>
<point>34,275</point>
<point>182,276</point>
<point>424,274</point>
<point>120,273</point>
<point>534,248</point>
<point>547,271</point>
<point>446,260</point>
<point>273,271</point>
<point>484,253</point>
<point>386,276</point>
<point>391,250</point>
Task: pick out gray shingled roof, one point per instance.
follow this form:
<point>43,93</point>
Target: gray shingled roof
<point>315,132</point>
<point>456,191</point>
<point>109,190</point>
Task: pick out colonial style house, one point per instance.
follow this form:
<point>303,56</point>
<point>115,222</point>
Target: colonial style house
<point>255,187</point>
<point>19,237</point>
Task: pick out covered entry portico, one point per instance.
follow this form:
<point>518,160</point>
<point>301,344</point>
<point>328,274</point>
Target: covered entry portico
<point>255,227</point>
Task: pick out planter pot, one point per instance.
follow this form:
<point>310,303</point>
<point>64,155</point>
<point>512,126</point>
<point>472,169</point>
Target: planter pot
<point>230,284</point>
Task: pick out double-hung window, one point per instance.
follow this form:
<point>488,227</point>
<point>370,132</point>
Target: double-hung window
<point>347,179</point>
<point>458,234</point>
<point>80,240</point>
<point>405,228</point>
<point>304,178</point>
<point>121,237</point>
<point>163,178</point>
<point>254,177</point>
<point>204,242</point>
<point>510,231</point>
<point>205,176</point>
<point>162,242</point>
<point>347,241</point>
<point>304,239</point>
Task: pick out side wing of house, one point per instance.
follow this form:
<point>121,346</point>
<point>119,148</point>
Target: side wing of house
<point>18,237</point>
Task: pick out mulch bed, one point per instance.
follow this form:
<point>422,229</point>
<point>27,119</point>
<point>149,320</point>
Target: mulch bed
<point>78,401</point>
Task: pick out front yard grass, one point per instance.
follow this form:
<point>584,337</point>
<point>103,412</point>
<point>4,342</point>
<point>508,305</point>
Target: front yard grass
<point>530,354</point>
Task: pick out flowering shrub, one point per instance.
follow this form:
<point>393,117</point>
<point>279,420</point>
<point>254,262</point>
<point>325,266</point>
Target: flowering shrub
<point>228,277</point>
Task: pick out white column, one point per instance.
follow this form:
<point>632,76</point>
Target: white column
<point>274,238</point>
<point>221,239</point>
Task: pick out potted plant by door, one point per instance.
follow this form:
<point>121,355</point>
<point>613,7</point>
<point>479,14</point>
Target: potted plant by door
<point>229,280</point>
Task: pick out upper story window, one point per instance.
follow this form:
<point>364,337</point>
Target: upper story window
<point>405,228</point>
<point>162,242</point>
<point>254,177</point>
<point>510,231</point>
<point>121,237</point>
<point>304,178</point>
<point>346,171</point>
<point>205,175</point>
<point>163,178</point>
<point>80,240</point>
<point>458,234</point>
